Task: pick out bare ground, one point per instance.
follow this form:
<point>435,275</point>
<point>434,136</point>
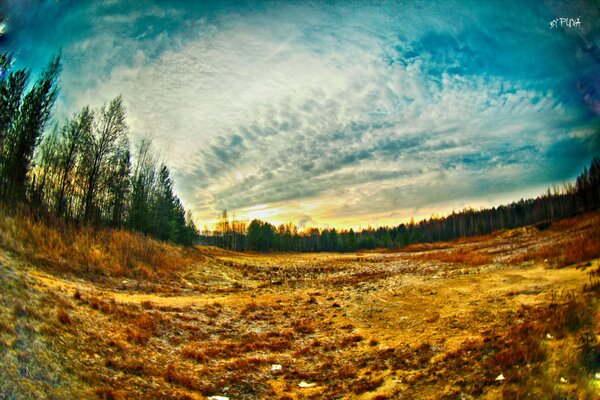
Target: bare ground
<point>436,321</point>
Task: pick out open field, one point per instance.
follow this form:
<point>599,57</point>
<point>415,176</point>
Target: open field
<point>429,321</point>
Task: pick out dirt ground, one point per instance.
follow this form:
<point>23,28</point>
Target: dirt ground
<point>413,323</point>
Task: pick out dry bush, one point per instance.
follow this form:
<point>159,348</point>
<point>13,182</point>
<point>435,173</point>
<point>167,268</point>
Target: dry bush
<point>191,350</point>
<point>19,309</point>
<point>347,371</point>
<point>465,256</point>
<point>149,322</point>
<point>131,365</point>
<point>304,325</point>
<point>107,393</point>
<point>63,316</point>
<point>6,327</point>
<point>521,345</point>
<point>417,247</point>
<point>351,340</point>
<point>137,336</point>
<point>365,385</point>
<point>188,380</point>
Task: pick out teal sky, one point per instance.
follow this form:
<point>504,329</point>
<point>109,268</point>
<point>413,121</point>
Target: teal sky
<point>348,113</point>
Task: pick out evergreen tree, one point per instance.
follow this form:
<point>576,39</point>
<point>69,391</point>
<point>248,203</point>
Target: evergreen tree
<point>24,119</point>
<point>142,188</point>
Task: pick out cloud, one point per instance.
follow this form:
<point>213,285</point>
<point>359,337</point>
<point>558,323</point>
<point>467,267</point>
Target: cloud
<point>348,113</point>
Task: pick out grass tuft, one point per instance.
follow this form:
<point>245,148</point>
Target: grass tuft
<point>63,316</point>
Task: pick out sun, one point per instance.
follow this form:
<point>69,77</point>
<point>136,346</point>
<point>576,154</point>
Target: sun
<point>262,212</point>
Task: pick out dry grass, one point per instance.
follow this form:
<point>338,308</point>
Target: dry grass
<point>464,256</point>
<point>92,252</point>
<point>418,247</point>
<point>522,352</point>
<point>580,245</point>
<point>373,326</point>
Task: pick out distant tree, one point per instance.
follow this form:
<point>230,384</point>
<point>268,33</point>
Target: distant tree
<point>224,229</point>
<point>260,235</point>
<point>238,229</point>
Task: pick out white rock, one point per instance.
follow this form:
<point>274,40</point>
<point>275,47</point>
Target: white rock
<point>563,380</point>
<point>276,367</point>
<point>597,376</point>
<point>500,377</point>
<point>549,336</point>
<point>306,385</point>
<point>218,398</point>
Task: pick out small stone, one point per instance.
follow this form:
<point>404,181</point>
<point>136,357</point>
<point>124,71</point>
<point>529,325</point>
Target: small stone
<point>306,385</point>
<point>500,377</point>
<point>276,367</point>
<point>563,380</point>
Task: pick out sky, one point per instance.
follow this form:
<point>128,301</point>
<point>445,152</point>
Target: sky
<point>345,114</point>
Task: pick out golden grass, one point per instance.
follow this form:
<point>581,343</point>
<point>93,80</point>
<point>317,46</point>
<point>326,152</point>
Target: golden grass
<point>92,252</point>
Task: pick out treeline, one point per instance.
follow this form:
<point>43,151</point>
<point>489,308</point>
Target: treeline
<point>572,199</point>
<point>82,171</point>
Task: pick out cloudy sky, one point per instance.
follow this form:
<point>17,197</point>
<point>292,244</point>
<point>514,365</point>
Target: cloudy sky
<point>349,113</point>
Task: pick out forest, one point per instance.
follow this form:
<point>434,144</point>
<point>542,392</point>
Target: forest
<point>82,172</point>
<point>572,199</point>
